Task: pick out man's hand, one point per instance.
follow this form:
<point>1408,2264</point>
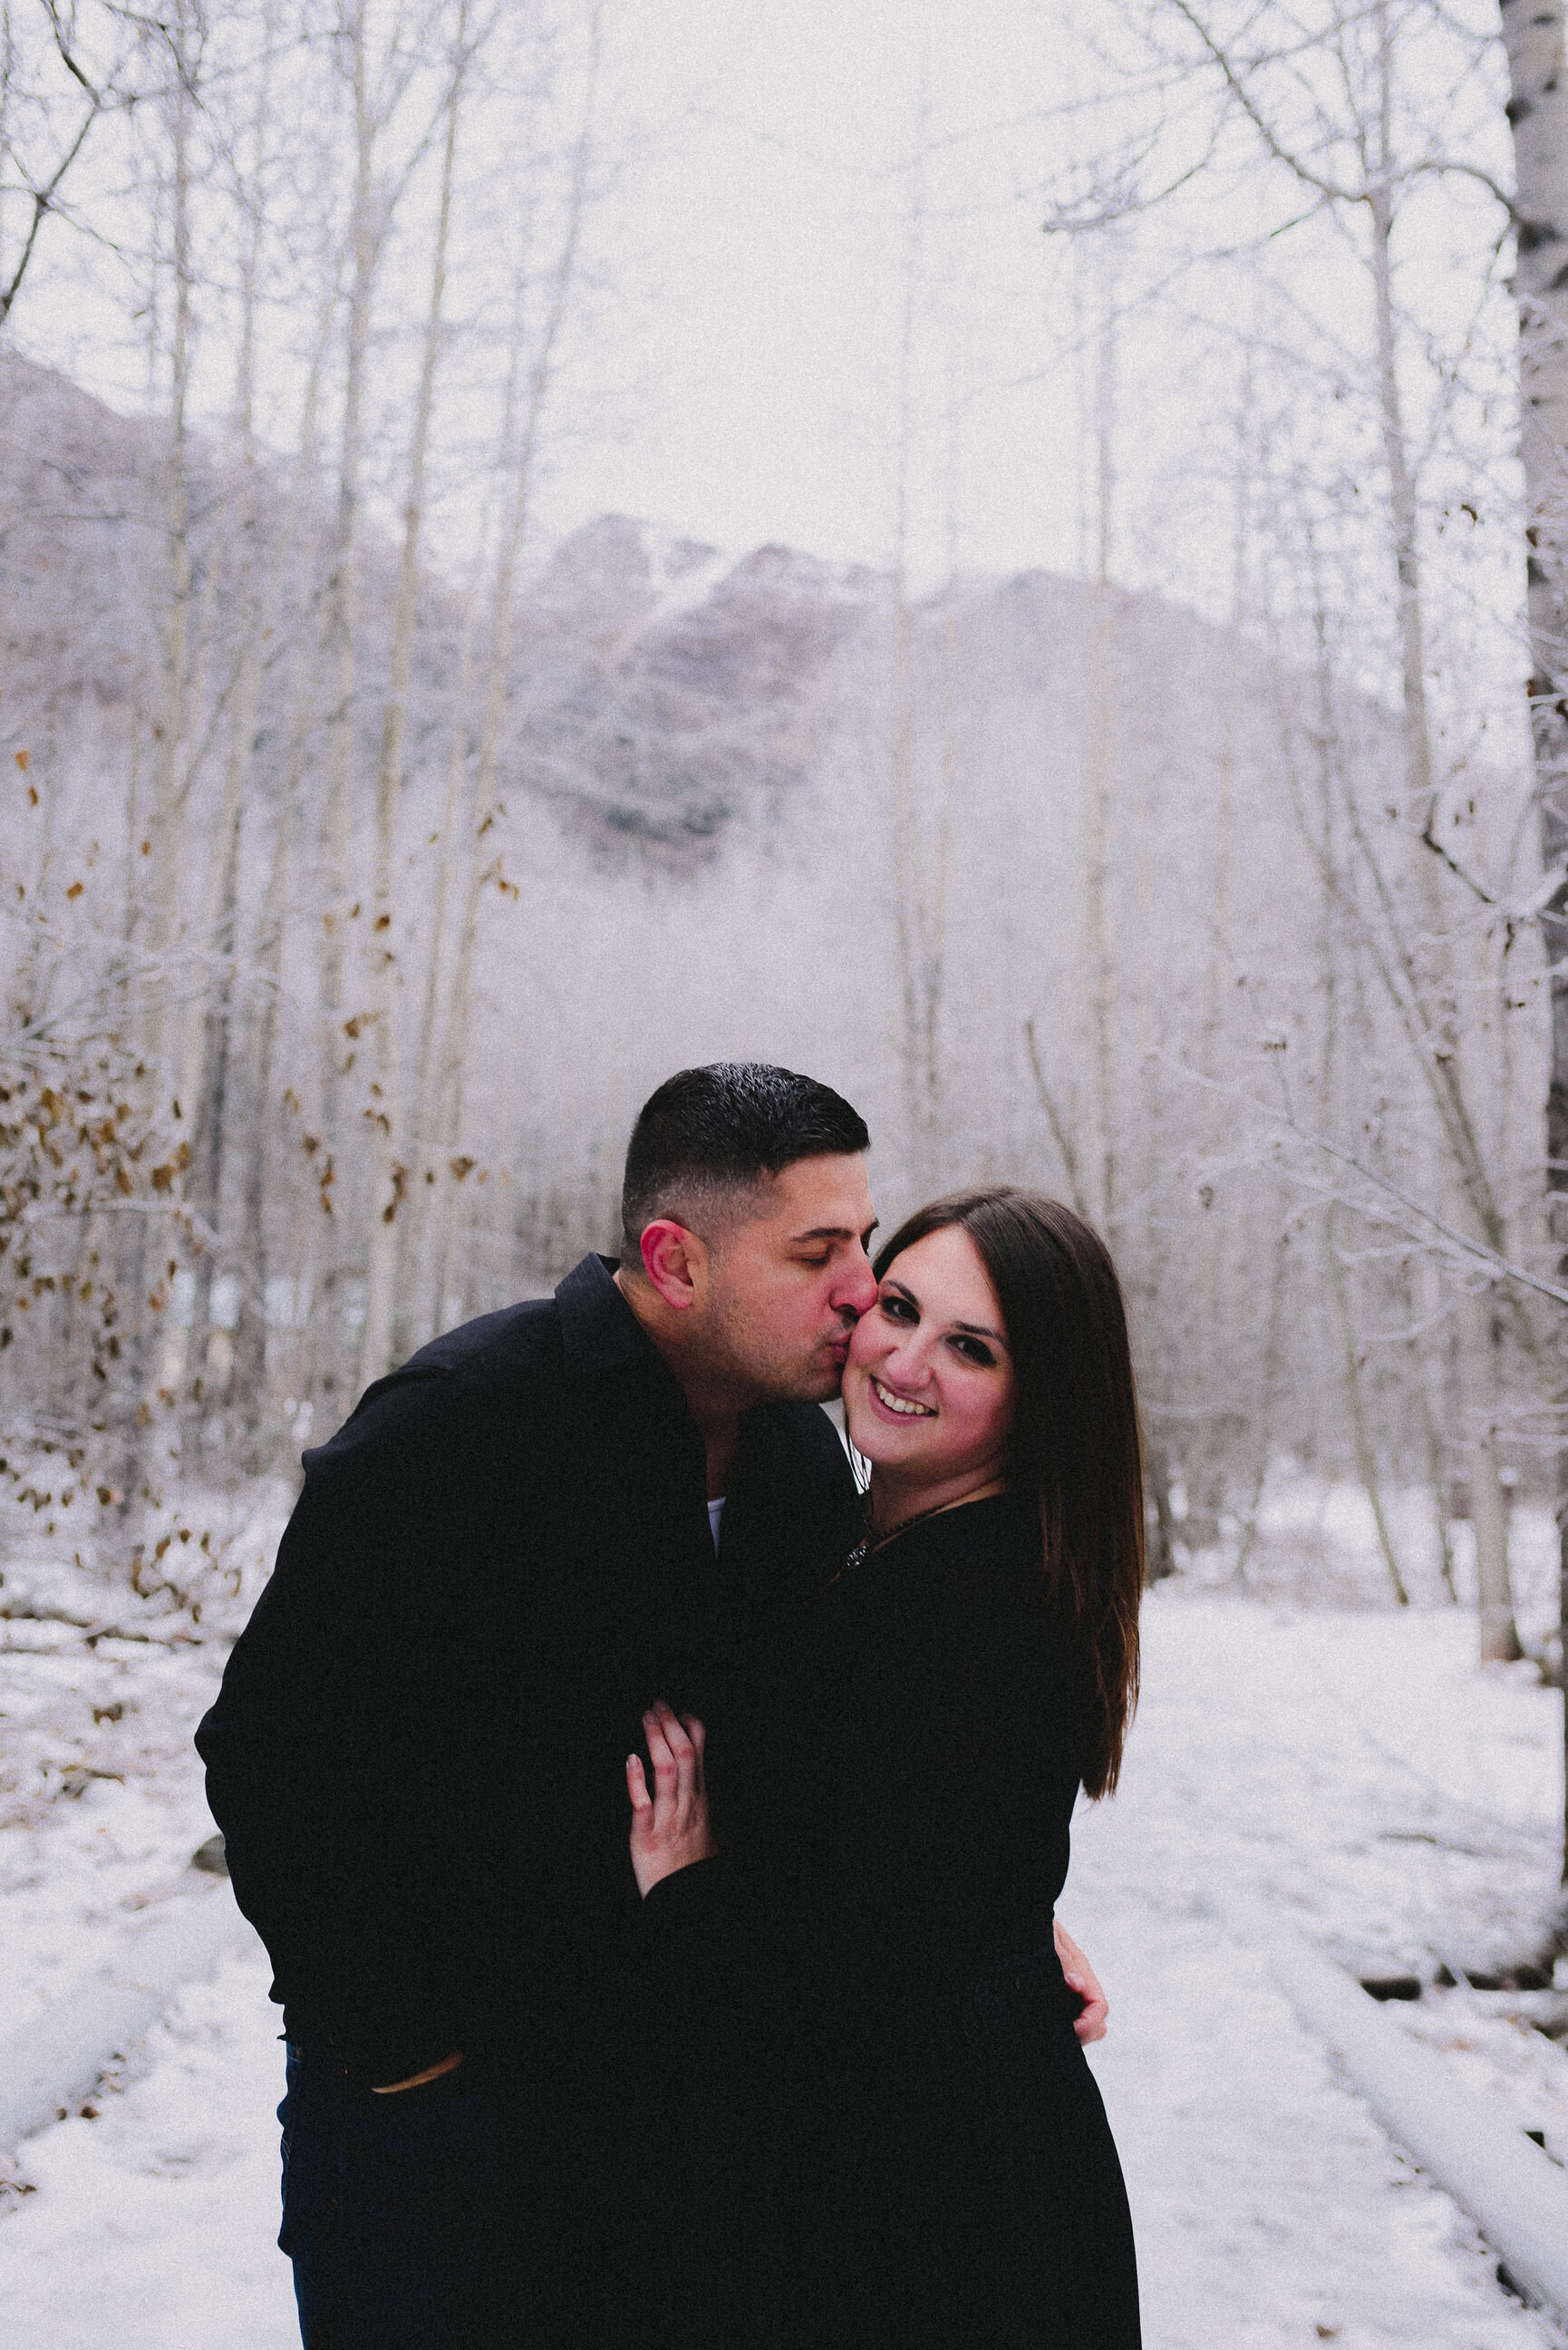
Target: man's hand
<point>1081,1977</point>
<point>418,2080</point>
<point>669,1828</point>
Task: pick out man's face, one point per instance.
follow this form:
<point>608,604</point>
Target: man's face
<point>788,1281</point>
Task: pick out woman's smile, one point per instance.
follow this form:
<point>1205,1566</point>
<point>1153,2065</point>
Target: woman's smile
<point>905,1406</point>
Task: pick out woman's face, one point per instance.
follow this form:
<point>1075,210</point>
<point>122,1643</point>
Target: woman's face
<point>929,1384</point>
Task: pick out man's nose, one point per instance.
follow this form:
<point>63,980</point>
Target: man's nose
<point>855,1293</point>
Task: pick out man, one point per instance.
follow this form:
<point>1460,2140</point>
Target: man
<point>545,1522</point>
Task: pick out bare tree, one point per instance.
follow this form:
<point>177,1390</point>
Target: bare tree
<point>1321,107</point>
<point>919,865</point>
<point>1537,114</point>
<point>390,1169</point>
<point>36,158</point>
<point>530,385</point>
<point>220,712</point>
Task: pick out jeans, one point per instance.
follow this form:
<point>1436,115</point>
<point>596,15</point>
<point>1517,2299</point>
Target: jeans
<point>400,2213</point>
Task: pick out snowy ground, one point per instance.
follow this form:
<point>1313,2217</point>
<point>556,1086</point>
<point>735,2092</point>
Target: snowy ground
<point>1348,1772</point>
<point>100,1793</point>
<point>1292,1769</point>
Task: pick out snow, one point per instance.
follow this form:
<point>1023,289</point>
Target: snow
<point>151,2227</point>
<point>1289,1767</point>
<point>54,2061</point>
<point>1513,2189</point>
<point>100,1812</point>
<point>101,1801</point>
<point>1349,1774</point>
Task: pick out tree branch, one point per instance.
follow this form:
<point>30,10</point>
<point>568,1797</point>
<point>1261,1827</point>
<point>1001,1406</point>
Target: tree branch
<point>1428,840</point>
<point>1441,166</point>
<point>42,203</point>
<point>1238,90</point>
<point>1473,1253</point>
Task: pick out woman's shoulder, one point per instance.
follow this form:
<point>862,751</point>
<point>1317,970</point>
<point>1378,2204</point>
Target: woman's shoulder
<point>975,1572</point>
<point>997,1588</point>
<point>988,1546</point>
<point>979,1636</point>
<point>952,1618</point>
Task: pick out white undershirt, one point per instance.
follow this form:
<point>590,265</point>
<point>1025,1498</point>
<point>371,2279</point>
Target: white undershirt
<point>715,1511</point>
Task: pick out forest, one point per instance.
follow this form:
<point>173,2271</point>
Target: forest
<point>1014,560</point>
<point>384,816</point>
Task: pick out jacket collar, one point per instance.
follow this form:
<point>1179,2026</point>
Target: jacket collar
<point>599,1331</point>
<point>600,1334</point>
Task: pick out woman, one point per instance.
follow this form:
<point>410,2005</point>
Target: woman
<point>882,1952</point>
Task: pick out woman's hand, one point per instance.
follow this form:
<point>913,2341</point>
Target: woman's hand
<point>1080,1976</point>
<point>669,1828</point>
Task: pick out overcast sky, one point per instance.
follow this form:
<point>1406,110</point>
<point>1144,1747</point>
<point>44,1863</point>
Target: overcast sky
<point>743,382</point>
<point>743,373</point>
<point>774,208</point>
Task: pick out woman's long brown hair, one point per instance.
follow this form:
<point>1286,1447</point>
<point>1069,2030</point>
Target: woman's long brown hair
<point>1074,1429</point>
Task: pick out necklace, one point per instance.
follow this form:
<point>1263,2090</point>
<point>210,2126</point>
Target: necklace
<point>871,1540</point>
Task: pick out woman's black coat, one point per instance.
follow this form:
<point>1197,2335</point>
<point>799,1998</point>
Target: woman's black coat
<point>872,2043</point>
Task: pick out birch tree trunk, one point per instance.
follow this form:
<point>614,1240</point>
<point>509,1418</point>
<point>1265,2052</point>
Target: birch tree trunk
<point>1099,772</point>
<point>453,1055</point>
<point>1431,957</point>
<point>167,831</point>
<point>1488,1500</point>
<point>415,1227</point>
<point>341,634</point>
<point>424,1231</point>
<point>303,701</point>
<point>165,838</point>
<point>389,1170</point>
<point>1251,1510</point>
<point>1361,1438</point>
<point>1532,32</point>
<point>1422,1293</point>
<point>205,1080</point>
<point>1323,833</point>
<point>910,912</point>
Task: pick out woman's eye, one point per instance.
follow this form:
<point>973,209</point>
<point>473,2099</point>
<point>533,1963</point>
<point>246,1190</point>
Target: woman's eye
<point>975,1350</point>
<point>899,1309</point>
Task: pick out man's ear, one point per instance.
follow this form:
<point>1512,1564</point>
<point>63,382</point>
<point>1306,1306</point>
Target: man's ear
<point>674,1260</point>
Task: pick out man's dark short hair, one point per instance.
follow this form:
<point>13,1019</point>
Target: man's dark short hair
<point>710,1133</point>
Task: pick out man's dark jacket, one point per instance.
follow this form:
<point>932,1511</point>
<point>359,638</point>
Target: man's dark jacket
<point>418,1755</point>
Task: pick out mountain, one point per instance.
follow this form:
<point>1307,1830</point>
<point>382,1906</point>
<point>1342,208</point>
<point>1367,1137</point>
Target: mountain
<point>1017,867</point>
